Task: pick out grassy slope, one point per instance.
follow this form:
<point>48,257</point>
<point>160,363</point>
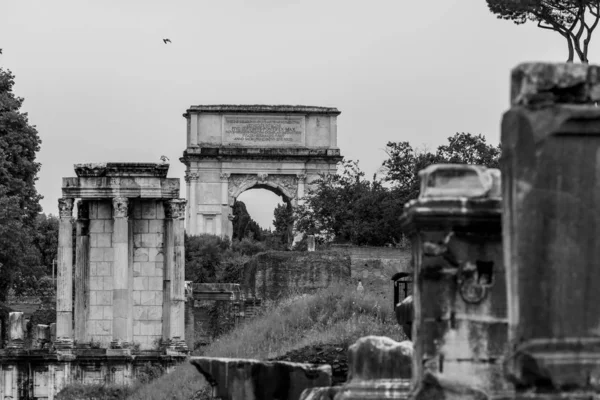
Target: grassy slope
<point>337,315</point>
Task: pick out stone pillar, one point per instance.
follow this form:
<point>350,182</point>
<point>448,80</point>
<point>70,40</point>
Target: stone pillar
<point>297,237</point>
<point>193,205</point>
<point>174,276</point>
<point>81,270</point>
<point>226,223</point>
<point>301,188</point>
<point>64,284</point>
<point>122,326</point>
<point>460,321</point>
<point>16,333</point>
<point>551,219</point>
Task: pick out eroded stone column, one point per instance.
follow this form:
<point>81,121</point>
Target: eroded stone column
<point>551,220</point>
<point>122,317</point>
<point>174,276</point>
<point>81,270</point>
<point>64,284</point>
<point>193,206</point>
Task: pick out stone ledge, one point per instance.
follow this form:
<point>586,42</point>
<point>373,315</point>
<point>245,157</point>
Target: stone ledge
<point>241,379</point>
<point>261,108</point>
<point>158,170</point>
<point>545,84</point>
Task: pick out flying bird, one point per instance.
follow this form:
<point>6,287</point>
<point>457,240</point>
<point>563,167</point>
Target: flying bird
<point>164,158</point>
<point>167,41</point>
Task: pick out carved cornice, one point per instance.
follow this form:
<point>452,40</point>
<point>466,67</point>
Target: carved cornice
<point>159,170</point>
<point>65,208</point>
<point>175,209</point>
<point>120,207</point>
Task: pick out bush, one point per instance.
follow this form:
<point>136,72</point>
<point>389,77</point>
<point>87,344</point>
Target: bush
<point>79,391</point>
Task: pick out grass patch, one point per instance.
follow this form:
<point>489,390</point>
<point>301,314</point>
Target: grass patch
<point>337,314</point>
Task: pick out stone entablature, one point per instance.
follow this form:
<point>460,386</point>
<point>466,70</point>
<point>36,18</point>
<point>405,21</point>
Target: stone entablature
<point>234,148</point>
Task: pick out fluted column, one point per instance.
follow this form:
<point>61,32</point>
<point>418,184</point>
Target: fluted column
<point>81,270</point>
<point>122,326</point>
<point>174,275</point>
<point>64,285</point>
<point>193,206</point>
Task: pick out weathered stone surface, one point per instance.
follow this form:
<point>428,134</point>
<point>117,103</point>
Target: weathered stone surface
<point>551,221</point>
<point>16,333</point>
<point>460,331</point>
<point>379,357</point>
<point>242,379</point>
<point>545,84</point>
<point>433,387</point>
<point>405,315</point>
<point>275,274</point>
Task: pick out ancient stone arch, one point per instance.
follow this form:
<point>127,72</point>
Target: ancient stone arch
<point>234,148</point>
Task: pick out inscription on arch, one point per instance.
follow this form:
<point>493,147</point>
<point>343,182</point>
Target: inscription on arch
<point>263,130</point>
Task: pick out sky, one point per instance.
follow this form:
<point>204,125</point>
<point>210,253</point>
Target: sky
<point>100,85</point>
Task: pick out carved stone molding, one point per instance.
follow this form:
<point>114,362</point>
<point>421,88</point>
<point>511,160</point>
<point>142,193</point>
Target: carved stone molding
<point>301,177</point>
<point>120,206</point>
<point>191,176</point>
<point>287,185</point>
<point>65,208</point>
<point>225,177</point>
<point>175,209</point>
<point>83,210</point>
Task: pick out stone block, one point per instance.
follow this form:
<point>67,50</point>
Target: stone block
<point>104,269</point>
<point>156,226</point>
<point>137,240</point>
<point>96,254</point>
<point>155,254</point>
<point>16,333</point>
<point>150,328</point>
<point>104,297</point>
<point>107,283</point>
<point>103,240</point>
<point>137,328</point>
<point>93,269</point>
<point>96,226</point>
<point>53,331</point>
<point>93,298</point>
<point>96,313</point>
<point>137,297</point>
<point>151,297</point>
<point>148,210</point>
<point>104,209</point>
<point>140,226</point>
<point>93,210</point>
<point>158,269</point>
<point>108,312</point>
<point>108,254</point>
<point>137,210</point>
<point>148,268</point>
<point>379,357</point>
<point>155,283</point>
<point>96,283</point>
<point>160,210</point>
<point>108,225</point>
<point>243,379</point>
<point>152,240</point>
<point>141,254</point>
<point>140,283</point>
<point>155,312</point>
<point>93,240</point>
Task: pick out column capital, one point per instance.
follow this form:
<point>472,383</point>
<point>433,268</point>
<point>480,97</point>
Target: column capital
<point>225,176</point>
<point>301,177</point>
<point>175,208</point>
<point>83,210</point>
<point>65,207</point>
<point>121,207</point>
<point>191,176</point>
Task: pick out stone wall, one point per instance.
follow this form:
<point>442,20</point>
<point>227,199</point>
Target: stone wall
<point>275,274</point>
<point>148,234</point>
<point>99,329</point>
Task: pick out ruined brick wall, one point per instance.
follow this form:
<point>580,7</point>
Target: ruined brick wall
<point>148,234</point>
<point>101,253</point>
<point>275,274</point>
<point>376,263</point>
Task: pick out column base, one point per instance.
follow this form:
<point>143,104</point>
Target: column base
<point>63,344</point>
<point>176,346</point>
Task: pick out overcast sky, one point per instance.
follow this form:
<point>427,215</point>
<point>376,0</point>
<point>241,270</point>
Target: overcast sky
<point>100,84</point>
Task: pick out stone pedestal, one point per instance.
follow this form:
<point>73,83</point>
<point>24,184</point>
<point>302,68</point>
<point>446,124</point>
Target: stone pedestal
<point>16,333</point>
<point>460,322</point>
<point>551,184</point>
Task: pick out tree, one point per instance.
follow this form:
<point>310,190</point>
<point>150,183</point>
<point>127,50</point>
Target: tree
<point>243,224</point>
<point>46,239</point>
<point>283,222</point>
<point>574,20</point>
<point>404,163</point>
<point>19,200</point>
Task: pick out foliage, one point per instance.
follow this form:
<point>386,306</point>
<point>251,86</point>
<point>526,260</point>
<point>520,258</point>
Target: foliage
<point>203,256</point>
<point>79,391</point>
<point>46,239</point>
<point>19,200</point>
<point>368,215</point>
<point>149,372</point>
<point>243,224</point>
<point>283,223</point>
<point>348,208</point>
<point>574,20</point>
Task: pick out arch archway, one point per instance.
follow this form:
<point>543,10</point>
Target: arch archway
<point>231,149</point>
